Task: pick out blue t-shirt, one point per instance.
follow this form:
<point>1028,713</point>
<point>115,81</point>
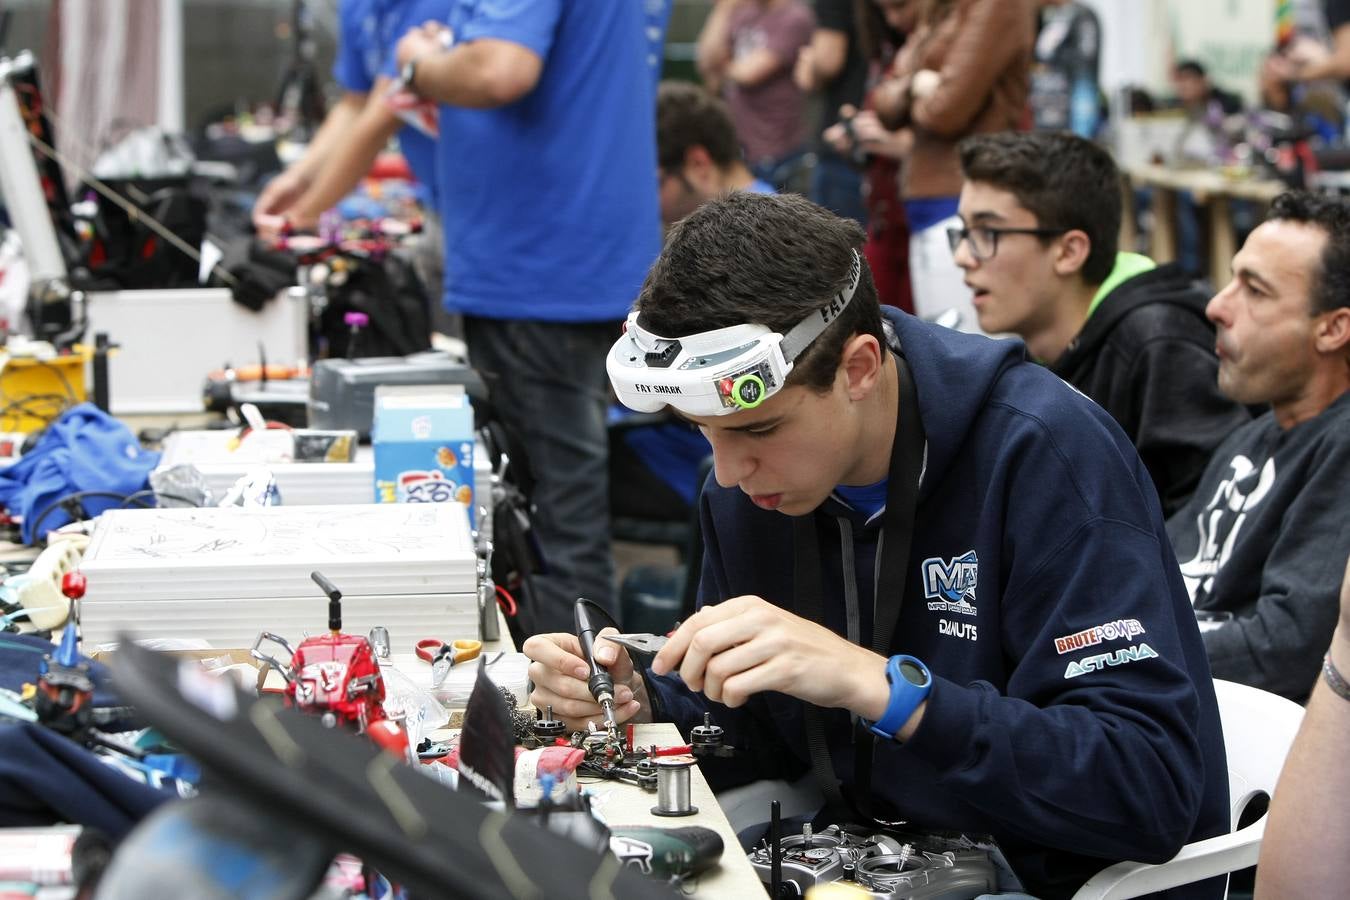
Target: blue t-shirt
<point>869,499</point>
<point>549,204</point>
<point>658,20</point>
<point>673,452</point>
<point>370,30</point>
<point>923,213</point>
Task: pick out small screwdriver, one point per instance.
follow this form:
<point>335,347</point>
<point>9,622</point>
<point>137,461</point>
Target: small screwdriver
<point>601,683</point>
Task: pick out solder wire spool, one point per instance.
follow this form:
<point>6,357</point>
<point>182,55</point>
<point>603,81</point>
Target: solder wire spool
<point>672,787</point>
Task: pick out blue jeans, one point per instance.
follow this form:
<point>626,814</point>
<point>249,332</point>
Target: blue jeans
<point>549,385</point>
<point>837,186</point>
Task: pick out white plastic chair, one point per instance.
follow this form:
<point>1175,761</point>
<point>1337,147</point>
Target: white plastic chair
<point>1258,730</point>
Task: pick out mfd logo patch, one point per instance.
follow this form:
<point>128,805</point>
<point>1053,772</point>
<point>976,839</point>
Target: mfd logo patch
<point>950,584</point>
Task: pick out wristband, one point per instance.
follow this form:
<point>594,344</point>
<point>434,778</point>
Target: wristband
<point>911,682</point>
<point>1334,679</point>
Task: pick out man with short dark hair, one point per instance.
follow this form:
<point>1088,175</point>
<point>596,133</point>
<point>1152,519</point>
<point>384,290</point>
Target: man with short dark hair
<point>1206,106</point>
<point>697,149</point>
<point>1262,541</point>
<point>1041,214</point>
<point>935,575</point>
<point>654,468</point>
<point>1199,96</point>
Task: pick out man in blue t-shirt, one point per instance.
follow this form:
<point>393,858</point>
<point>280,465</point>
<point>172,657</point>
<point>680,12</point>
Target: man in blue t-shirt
<point>360,125</point>
<point>547,171</point>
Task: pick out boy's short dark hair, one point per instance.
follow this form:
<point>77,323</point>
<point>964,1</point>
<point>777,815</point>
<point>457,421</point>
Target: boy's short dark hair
<point>1190,67</point>
<point>688,116</point>
<point>764,259</point>
<point>1063,180</point>
<point>1331,284</point>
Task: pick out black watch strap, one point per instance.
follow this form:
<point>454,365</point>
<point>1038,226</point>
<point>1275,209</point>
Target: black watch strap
<point>409,75</point>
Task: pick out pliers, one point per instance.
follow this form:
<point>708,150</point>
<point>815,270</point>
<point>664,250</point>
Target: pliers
<point>442,655</point>
<point>643,644</point>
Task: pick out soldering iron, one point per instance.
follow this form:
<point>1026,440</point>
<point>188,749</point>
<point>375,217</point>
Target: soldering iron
<point>601,683</point>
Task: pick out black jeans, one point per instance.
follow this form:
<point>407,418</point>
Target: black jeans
<point>548,384</point>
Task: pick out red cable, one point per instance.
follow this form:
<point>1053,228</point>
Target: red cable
<point>672,751</point>
<point>506,602</point>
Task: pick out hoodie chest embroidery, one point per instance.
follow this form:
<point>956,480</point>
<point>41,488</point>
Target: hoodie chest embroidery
<point>949,585</point>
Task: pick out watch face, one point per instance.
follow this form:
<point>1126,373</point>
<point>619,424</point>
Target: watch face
<point>913,674</point>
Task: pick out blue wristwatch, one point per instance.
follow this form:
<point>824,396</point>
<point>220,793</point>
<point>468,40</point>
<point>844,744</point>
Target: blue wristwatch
<point>911,683</point>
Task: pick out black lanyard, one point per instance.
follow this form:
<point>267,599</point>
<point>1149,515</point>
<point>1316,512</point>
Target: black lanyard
<point>897,533</point>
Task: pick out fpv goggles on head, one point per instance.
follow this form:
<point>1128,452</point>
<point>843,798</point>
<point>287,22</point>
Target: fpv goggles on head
<point>717,372</point>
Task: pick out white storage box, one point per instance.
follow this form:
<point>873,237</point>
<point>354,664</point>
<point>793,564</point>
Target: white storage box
<point>300,484</point>
<point>171,339</point>
<point>225,574</point>
<point>235,623</point>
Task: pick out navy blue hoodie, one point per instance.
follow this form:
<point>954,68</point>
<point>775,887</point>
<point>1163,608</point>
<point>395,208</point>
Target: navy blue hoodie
<point>1072,714</point>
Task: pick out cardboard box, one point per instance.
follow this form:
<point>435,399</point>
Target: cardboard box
<point>40,379</point>
<point>423,440</point>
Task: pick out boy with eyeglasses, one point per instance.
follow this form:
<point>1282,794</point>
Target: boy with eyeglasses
<point>1041,218</point>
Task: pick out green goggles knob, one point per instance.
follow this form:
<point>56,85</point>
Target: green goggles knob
<point>748,391</point>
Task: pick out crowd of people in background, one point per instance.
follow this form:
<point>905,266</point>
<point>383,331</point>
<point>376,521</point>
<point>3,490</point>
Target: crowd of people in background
<point>945,131</point>
<point>961,136</point>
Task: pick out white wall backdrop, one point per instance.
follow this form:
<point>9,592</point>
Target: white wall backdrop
<point>1142,38</point>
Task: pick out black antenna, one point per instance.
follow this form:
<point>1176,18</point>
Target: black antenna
<point>775,850</point>
<point>334,600</point>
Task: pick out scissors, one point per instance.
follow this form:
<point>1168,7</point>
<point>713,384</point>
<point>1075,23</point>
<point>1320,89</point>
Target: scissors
<point>644,644</point>
<point>442,655</point>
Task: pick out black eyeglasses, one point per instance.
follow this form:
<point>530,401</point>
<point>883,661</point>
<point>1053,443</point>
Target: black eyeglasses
<point>984,239</point>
